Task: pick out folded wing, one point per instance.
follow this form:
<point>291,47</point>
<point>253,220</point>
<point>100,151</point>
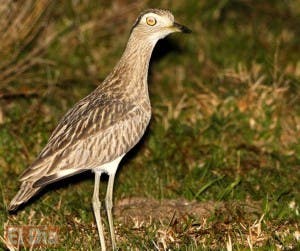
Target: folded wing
<point>90,135</point>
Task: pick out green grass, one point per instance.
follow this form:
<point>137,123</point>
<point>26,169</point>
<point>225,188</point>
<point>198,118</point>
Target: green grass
<point>224,131</point>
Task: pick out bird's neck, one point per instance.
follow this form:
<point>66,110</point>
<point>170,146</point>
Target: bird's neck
<point>136,57</point>
<point>133,66</point>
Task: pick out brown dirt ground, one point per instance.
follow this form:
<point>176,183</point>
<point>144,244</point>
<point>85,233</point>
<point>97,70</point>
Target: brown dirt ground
<point>145,209</point>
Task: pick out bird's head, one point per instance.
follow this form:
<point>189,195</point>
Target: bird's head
<point>155,24</point>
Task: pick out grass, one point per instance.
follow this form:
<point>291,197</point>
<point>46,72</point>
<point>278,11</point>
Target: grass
<point>224,135</point>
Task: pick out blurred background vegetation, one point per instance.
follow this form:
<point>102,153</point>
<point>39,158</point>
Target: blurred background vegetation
<point>225,127</point>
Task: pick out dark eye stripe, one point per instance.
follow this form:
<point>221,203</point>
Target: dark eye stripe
<point>137,21</point>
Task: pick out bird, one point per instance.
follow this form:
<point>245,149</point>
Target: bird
<point>101,128</point>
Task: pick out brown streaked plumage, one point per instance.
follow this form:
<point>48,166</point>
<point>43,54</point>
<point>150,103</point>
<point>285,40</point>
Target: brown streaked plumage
<point>101,128</point>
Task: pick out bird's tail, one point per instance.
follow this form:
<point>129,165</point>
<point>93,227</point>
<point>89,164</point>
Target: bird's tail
<point>25,193</point>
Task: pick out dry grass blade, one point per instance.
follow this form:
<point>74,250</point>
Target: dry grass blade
<point>21,25</point>
<point>7,243</point>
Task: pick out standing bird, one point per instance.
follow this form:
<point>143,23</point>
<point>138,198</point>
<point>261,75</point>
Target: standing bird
<point>102,127</point>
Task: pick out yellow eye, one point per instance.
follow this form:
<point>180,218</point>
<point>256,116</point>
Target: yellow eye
<point>151,21</point>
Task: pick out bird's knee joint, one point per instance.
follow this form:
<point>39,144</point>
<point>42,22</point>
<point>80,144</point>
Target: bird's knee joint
<point>96,202</point>
<point>108,204</point>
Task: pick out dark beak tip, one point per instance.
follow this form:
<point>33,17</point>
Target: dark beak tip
<point>186,30</point>
<point>182,28</point>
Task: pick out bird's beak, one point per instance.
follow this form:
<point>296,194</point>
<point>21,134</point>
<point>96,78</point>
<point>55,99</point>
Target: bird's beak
<point>180,28</point>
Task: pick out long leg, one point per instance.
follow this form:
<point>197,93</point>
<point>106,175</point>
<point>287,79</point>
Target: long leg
<point>109,205</point>
<point>96,208</point>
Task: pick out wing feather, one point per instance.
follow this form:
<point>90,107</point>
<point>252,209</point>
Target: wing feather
<point>87,137</point>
